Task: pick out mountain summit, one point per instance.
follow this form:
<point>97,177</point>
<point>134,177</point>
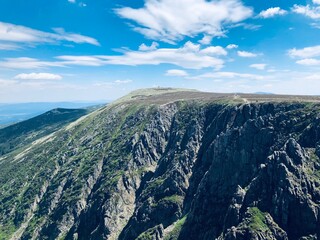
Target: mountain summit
<point>170,164</point>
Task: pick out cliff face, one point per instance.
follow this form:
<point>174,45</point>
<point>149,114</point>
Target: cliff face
<point>182,165</point>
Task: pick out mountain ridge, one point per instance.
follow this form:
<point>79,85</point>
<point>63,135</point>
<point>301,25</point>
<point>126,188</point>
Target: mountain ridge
<point>11,113</point>
<point>178,165</point>
<point>13,136</point>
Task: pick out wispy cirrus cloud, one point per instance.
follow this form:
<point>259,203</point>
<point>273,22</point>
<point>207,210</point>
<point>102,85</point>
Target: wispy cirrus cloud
<point>109,84</point>
<point>15,36</point>
<point>27,63</point>
<point>123,81</point>
<point>176,73</point>
<point>9,46</point>
<point>61,35</point>
<point>38,76</point>
<point>277,82</point>
<point>259,66</point>
<point>247,26</point>
<point>165,20</point>
<point>189,56</point>
<point>246,54</point>
<point>227,75</point>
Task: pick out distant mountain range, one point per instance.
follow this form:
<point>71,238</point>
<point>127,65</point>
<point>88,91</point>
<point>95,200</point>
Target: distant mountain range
<point>17,112</point>
<point>264,93</point>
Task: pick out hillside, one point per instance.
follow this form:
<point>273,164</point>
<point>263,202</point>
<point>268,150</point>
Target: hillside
<point>11,113</point>
<point>171,164</point>
<point>20,134</point>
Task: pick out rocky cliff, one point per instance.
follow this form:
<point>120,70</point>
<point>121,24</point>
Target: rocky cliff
<point>171,165</point>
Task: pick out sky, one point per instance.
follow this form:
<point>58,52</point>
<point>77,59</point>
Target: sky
<point>99,50</point>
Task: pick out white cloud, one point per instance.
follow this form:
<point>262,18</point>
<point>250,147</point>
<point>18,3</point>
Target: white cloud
<point>309,11</point>
<point>315,25</point>
<point>176,73</point>
<point>24,35</point>
<point>61,35</point>
<point>271,12</point>
<point>307,52</point>
<point>313,77</point>
<point>309,62</point>
<point>111,85</point>
<point>247,26</point>
<point>93,61</point>
<point>206,40</point>
<point>172,20</point>
<point>230,75</point>
<point>63,61</point>
<point>246,54</point>
<point>190,46</point>
<point>280,82</point>
<point>80,4</point>
<point>38,76</point>
<point>214,50</point>
<point>189,56</point>
<point>232,46</point>
<point>5,83</point>
<point>316,1</point>
<point>259,66</point>
<point>144,47</point>
<point>27,63</point>
<point>9,46</point>
<point>123,81</point>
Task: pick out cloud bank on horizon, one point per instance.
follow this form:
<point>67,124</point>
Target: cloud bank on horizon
<point>82,50</point>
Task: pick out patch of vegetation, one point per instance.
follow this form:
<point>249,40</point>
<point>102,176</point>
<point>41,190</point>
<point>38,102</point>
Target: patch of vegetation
<point>310,105</point>
<point>169,200</point>
<point>63,237</point>
<point>313,166</point>
<point>148,235</point>
<point>6,231</point>
<point>174,234</point>
<point>174,199</point>
<point>257,221</point>
<point>154,184</point>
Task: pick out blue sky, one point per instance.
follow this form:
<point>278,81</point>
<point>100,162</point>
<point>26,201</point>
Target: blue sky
<point>68,50</point>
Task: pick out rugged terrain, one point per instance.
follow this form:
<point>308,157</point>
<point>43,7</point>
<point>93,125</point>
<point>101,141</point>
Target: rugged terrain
<point>20,134</point>
<point>170,164</point>
<point>11,113</point>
